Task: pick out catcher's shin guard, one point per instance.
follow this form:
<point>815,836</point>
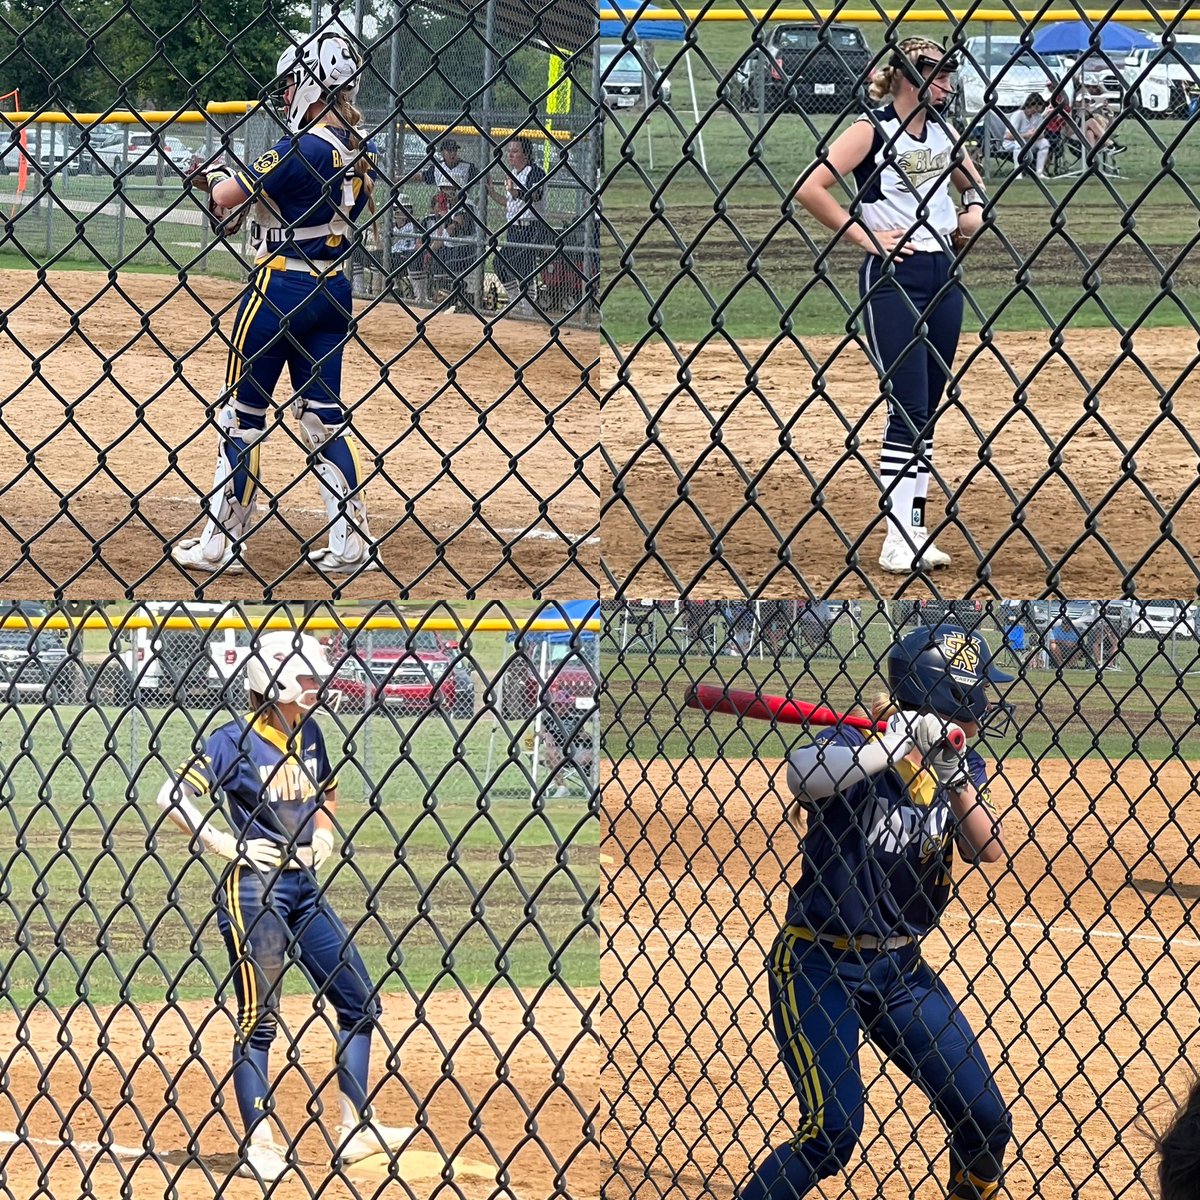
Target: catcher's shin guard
<point>339,477</point>
<point>230,503</point>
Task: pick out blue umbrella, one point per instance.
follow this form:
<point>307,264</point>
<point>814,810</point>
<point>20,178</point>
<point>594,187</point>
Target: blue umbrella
<point>1074,37</point>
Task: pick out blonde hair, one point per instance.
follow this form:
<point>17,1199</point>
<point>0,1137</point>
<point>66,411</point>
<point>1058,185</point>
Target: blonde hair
<point>886,80</point>
<point>351,119</point>
<point>883,706</point>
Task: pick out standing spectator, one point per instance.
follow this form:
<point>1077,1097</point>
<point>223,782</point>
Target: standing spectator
<point>449,168</point>
<point>523,196</point>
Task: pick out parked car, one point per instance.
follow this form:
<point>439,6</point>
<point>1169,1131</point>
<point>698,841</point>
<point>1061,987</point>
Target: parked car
<point>1119,614</point>
<point>1164,618</point>
<point>1037,614</point>
<point>547,671</point>
<point>807,67</point>
<point>628,76</point>
<point>33,665</point>
<point>47,147</point>
<point>186,667</point>
<point>1182,64</point>
<point>144,153</point>
<point>1147,88</point>
<point>1003,65</point>
<point>409,673</point>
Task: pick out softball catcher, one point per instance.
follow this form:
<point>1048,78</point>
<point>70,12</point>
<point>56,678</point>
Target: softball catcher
<point>903,158</point>
<point>304,196</point>
<point>885,813</point>
<point>270,774</point>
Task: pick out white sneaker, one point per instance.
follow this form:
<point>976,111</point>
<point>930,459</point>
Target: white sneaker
<point>897,555</point>
<point>334,564</point>
<point>263,1161</point>
<point>190,555</point>
<point>369,1138</point>
<point>931,557</point>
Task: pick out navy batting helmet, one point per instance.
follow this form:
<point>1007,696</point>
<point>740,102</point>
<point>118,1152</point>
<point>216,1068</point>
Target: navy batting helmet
<point>946,670</point>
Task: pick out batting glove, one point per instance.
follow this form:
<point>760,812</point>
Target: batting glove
<point>949,765</point>
<point>322,848</point>
<point>258,852</point>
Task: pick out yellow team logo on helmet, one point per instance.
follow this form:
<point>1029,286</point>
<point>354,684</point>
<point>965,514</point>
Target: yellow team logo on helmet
<point>962,654</point>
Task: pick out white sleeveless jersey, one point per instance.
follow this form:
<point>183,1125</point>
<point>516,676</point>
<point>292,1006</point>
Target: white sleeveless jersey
<point>904,182</point>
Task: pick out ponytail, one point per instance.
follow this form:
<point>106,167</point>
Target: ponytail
<point>351,119</point>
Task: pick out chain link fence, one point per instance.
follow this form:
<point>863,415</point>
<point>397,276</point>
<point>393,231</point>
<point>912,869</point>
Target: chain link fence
<point>463,379</point>
<point>465,749</point>
<point>768,405</point>
<point>1073,960</point>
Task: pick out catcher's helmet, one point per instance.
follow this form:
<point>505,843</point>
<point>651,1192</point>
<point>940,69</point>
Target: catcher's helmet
<point>321,67</point>
<point>921,60</point>
<point>276,664</point>
<point>946,670</point>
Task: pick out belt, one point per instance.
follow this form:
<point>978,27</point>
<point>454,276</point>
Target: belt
<point>854,941</point>
<point>282,263</point>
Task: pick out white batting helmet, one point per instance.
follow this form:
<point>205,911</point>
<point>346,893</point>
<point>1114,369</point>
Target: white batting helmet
<point>275,667</point>
<point>320,68</point>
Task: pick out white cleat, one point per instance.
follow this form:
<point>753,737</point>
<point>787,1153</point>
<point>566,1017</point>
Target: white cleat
<point>367,1139</point>
<point>263,1161</point>
<point>898,557</point>
<point>190,555</point>
<point>332,563</point>
<point>931,556</point>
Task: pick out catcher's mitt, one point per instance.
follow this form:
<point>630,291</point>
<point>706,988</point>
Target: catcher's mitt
<point>224,222</point>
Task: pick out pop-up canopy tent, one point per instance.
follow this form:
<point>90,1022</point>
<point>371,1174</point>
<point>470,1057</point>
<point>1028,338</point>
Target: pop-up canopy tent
<point>1075,38</point>
<point>629,31</point>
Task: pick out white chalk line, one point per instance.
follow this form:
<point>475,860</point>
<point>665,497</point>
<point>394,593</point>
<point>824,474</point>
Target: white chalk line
<point>116,1150</point>
<point>549,535</point>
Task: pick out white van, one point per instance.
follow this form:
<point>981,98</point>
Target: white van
<point>187,666</point>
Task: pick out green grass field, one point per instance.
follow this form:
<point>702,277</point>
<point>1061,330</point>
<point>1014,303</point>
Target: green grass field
<point>1145,708</point>
<point>714,238</point>
<point>457,879</point>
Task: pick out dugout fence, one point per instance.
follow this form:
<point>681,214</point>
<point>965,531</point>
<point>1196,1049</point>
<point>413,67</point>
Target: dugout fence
<point>745,412</point>
<point>1073,960</point>
<point>466,748</point>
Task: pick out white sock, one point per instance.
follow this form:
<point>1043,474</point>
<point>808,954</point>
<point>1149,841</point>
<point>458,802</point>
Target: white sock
<point>349,1111</point>
<point>898,478</point>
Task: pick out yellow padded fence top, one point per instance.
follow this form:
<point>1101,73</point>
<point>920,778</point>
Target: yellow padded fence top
<point>224,108</point>
<point>1023,16</point>
<point>316,623</point>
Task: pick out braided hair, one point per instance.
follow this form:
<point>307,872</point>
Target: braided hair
<point>886,79</point>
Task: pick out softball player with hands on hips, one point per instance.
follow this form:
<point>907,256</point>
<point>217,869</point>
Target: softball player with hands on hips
<point>304,196</point>
<point>271,775</point>
<point>903,157</point>
<point>884,815</point>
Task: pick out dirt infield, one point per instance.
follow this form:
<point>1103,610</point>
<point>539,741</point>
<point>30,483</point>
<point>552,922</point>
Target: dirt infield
<point>449,1064</point>
<point>1028,418</point>
<point>1078,965</point>
<point>468,442</point>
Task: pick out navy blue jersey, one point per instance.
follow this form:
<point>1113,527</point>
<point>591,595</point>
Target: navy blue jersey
<point>878,858</point>
<point>266,789</point>
<point>300,175</point>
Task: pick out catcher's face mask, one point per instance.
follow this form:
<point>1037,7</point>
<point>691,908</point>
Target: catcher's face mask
<point>932,72</point>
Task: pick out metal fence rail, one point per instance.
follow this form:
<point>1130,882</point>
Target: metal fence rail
<point>466,751</point>
<point>1073,960</point>
<point>464,378</point>
<point>746,413</point>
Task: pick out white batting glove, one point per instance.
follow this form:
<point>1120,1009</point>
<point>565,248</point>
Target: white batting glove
<point>949,765</point>
<point>259,852</point>
<point>322,848</point>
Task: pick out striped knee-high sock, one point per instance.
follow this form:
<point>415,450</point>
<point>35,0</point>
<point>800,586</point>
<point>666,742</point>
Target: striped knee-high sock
<point>922,490</point>
<point>898,478</point>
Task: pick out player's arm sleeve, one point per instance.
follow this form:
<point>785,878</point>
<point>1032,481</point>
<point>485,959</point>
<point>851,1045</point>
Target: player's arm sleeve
<point>189,795</point>
<point>838,759</point>
<point>535,187</point>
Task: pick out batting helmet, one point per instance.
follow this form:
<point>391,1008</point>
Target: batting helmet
<point>946,670</point>
<point>320,68</point>
<point>276,665</point>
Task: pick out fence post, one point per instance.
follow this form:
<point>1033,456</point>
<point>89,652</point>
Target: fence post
<point>119,192</point>
<point>368,713</point>
<point>987,83</point>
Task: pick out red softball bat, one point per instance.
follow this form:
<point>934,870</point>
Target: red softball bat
<point>711,697</point>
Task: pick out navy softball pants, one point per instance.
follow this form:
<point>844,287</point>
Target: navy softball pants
<point>913,320</point>
<point>823,1002</point>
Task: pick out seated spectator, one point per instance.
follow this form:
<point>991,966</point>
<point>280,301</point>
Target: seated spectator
<point>1027,131</point>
